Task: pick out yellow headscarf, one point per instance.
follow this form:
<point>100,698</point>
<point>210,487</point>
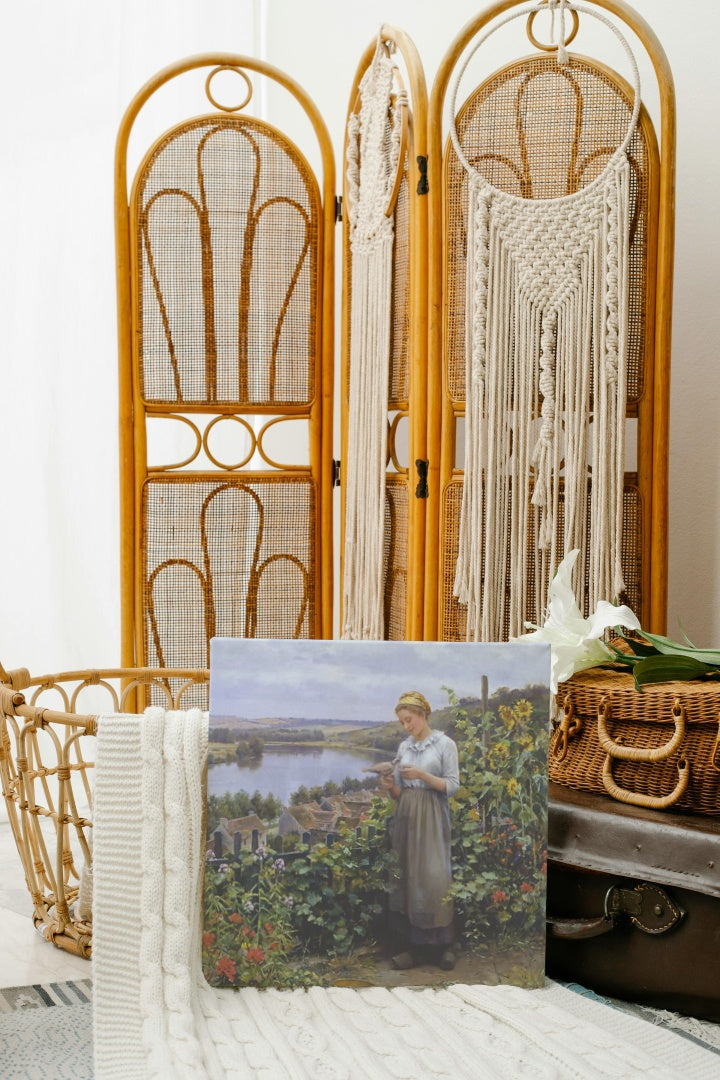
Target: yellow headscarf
<point>413,699</point>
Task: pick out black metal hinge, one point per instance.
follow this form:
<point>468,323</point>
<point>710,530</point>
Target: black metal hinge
<point>422,187</point>
<point>421,491</point>
<point>336,474</point>
<point>338,208</point>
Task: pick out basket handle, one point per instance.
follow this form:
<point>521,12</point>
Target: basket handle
<point>570,726</point>
<point>634,753</point>
<point>652,802</point>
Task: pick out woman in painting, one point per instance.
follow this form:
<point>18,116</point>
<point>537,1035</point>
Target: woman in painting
<point>424,777</point>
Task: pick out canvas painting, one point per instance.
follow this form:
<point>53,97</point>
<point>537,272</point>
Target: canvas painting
<point>376,813</point>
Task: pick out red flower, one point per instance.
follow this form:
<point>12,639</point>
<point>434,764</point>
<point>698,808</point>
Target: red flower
<point>250,933</point>
<point>499,896</point>
<point>208,940</point>
<point>226,968</point>
<point>235,918</point>
<point>526,887</point>
<point>268,927</point>
<point>255,956</point>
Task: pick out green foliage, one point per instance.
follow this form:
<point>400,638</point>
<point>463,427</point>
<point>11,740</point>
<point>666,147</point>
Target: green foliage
<point>249,938</point>
<point>498,821</point>
<point>327,790</point>
<point>653,659</point>
<point>239,804</point>
<point>249,749</point>
<point>339,889</point>
<point>265,915</point>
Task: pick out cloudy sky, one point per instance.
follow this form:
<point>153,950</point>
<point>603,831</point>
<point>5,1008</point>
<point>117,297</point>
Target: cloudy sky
<point>358,680</point>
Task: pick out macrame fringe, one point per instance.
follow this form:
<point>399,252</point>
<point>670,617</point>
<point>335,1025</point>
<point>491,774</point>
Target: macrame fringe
<point>547,304</point>
<point>372,162</point>
<point>546,332</point>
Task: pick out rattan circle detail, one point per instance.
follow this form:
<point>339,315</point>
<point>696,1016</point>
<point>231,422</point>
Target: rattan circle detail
<point>215,460</point>
<point>238,71</point>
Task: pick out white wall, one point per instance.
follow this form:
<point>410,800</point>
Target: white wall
<point>68,70</point>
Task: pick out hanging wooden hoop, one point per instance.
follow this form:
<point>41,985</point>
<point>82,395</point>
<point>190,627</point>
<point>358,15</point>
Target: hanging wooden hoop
<point>620,151</point>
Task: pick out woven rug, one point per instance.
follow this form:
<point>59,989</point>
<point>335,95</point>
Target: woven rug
<point>46,1031</point>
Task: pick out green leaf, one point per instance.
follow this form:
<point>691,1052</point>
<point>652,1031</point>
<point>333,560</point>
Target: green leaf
<point>667,668</point>
<point>672,648</point>
<point>622,657</point>
<point>687,639</point>
<point>640,648</point>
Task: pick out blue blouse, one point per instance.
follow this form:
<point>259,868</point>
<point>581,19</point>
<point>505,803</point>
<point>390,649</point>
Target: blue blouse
<point>437,754</point>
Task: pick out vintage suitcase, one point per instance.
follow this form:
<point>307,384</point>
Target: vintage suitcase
<point>634,902</point>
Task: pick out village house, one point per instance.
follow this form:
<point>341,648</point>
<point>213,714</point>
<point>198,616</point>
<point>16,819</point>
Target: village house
<point>234,835</point>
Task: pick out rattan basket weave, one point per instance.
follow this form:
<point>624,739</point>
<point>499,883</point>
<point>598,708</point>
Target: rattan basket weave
<point>46,758</point>
<point>659,747</point>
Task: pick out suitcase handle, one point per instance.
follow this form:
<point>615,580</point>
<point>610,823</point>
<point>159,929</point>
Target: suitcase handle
<point>634,798</point>
<point>647,906</point>
<point>634,753</point>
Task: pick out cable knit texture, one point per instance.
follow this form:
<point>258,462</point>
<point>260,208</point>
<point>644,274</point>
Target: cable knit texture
<point>155,1016</point>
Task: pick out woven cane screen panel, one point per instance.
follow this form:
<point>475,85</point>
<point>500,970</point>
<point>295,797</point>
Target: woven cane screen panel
<point>226,217</point>
<point>398,390</point>
<point>232,557</point>
<point>396,556</point>
<point>452,622</point>
<point>540,131</point>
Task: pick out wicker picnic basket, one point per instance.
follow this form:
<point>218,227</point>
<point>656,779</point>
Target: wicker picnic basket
<point>46,758</point>
<point>658,747</point>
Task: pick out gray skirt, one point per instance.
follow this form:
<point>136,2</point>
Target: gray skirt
<point>421,841</point>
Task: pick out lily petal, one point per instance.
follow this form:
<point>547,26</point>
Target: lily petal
<point>607,615</point>
<point>575,642</point>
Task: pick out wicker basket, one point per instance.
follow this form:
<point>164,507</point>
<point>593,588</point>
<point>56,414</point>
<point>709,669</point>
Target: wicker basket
<point>659,747</point>
<point>46,754</point>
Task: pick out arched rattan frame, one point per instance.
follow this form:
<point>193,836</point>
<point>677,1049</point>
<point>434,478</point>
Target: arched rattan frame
<point>315,578</point>
<point>653,412</point>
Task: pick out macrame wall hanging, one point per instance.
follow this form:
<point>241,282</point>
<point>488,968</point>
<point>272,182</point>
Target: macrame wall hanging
<point>546,339</point>
<point>375,157</point>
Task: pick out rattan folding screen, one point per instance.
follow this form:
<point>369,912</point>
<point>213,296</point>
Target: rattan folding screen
<point>225,284</point>
<point>226,304</point>
<point>540,131</point>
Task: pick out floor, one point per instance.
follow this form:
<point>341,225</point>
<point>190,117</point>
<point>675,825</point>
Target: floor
<point>25,957</point>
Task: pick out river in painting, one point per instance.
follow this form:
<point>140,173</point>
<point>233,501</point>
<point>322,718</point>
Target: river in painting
<point>281,772</point>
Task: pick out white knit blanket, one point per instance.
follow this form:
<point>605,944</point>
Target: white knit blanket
<point>155,1016</point>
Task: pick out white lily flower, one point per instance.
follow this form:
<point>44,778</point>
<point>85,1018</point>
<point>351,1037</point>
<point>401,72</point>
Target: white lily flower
<point>575,642</point>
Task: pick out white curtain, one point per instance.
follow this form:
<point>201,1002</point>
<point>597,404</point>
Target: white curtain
<point>68,71</point>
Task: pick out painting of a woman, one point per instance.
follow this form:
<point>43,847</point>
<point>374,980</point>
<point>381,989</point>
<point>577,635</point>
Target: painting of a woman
<point>425,776</point>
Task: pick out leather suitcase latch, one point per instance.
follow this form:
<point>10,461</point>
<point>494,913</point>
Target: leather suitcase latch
<point>647,906</point>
